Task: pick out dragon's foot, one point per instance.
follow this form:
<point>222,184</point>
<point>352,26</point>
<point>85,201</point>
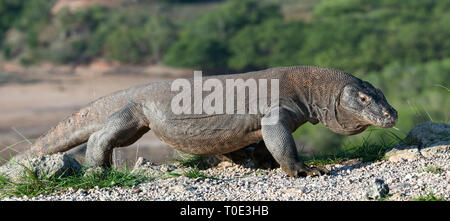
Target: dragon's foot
<point>301,170</point>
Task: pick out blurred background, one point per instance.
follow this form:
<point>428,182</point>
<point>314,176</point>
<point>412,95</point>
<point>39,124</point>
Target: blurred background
<point>58,55</point>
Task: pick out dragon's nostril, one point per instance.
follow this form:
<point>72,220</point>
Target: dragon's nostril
<point>387,115</point>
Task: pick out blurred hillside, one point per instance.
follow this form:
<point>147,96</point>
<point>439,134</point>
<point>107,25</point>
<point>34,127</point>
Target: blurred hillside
<point>403,47</point>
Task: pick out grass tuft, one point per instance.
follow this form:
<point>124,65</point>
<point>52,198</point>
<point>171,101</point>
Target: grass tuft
<point>428,197</point>
<point>434,169</point>
<point>194,173</point>
<point>368,150</point>
<point>324,159</point>
<point>33,186</point>
<point>195,164</point>
<point>194,161</point>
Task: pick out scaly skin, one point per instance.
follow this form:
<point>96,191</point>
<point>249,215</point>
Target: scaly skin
<point>340,101</point>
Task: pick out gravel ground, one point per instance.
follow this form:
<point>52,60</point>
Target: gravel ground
<point>406,180</point>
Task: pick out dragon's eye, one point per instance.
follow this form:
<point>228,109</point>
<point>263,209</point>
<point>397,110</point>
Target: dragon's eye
<point>364,98</point>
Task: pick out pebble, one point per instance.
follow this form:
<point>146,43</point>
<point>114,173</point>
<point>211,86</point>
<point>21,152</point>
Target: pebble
<point>406,180</point>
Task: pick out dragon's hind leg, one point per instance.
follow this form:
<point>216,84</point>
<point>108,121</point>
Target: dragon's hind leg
<point>122,128</point>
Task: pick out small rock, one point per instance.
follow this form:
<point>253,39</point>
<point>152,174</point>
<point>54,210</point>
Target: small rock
<point>177,188</point>
<point>225,164</point>
<point>438,148</point>
<point>136,190</point>
<point>424,140</point>
<point>396,197</point>
<point>399,153</point>
<point>378,190</point>
<point>81,192</point>
<point>337,166</point>
<point>60,164</point>
<point>352,162</point>
<point>428,132</point>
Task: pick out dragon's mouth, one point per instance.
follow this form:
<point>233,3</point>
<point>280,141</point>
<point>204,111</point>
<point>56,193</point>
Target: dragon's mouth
<point>390,124</point>
<point>386,122</point>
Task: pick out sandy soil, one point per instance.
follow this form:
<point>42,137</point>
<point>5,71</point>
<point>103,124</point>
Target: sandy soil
<point>45,95</point>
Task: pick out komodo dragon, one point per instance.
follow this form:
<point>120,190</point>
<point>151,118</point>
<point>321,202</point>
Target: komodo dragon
<point>338,100</point>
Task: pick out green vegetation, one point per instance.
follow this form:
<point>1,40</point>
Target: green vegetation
<point>193,161</point>
<point>205,43</point>
<point>386,198</point>
<point>194,173</point>
<point>34,186</point>
<point>354,35</point>
<point>368,150</point>
<point>25,15</point>
<point>193,164</point>
<point>402,47</point>
<point>80,36</point>
<point>429,197</point>
<point>434,169</point>
<point>358,36</point>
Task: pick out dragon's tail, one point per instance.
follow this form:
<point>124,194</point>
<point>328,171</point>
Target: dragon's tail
<point>77,128</point>
<point>69,133</point>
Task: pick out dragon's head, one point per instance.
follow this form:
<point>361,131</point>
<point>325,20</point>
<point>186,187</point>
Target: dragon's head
<point>368,104</point>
